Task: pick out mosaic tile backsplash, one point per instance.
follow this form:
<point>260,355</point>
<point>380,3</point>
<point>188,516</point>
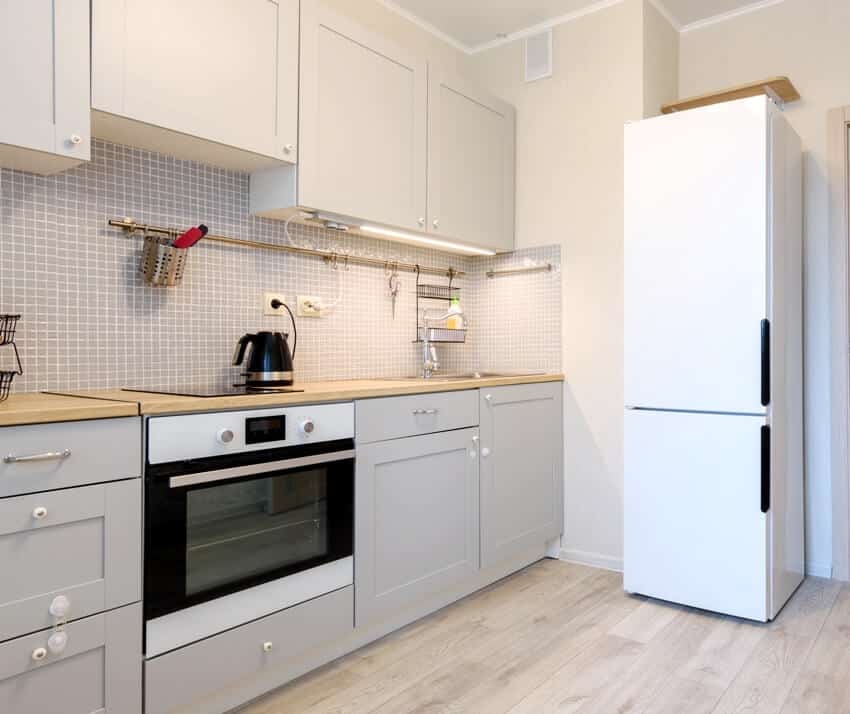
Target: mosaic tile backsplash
<point>90,322</point>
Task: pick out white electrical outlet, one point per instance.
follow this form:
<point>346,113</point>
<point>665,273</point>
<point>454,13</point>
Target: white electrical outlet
<point>268,307</point>
<point>309,306</point>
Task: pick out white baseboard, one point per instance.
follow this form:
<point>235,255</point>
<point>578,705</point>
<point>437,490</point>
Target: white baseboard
<point>595,560</point>
<point>607,562</point>
<point>819,570</point>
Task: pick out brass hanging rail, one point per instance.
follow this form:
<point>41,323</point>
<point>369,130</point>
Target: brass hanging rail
<point>328,256</point>
<point>547,267</point>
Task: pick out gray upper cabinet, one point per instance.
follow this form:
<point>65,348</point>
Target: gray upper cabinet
<point>210,81</point>
<point>521,469</point>
<point>44,84</point>
<point>99,671</point>
<point>416,532</point>
<point>362,127</point>
<point>471,163</point>
<point>383,144</point>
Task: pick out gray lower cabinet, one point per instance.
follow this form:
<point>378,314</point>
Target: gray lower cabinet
<point>258,656</point>
<point>416,532</point>
<point>78,546</point>
<point>98,671</point>
<point>44,457</point>
<point>521,468</point>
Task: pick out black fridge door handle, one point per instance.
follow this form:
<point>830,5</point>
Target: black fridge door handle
<point>765,469</point>
<point>765,362</point>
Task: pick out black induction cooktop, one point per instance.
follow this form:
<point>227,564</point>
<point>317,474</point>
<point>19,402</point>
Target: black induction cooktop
<point>217,390</point>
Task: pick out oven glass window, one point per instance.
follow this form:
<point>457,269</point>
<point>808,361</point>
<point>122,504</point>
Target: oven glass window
<point>238,531</point>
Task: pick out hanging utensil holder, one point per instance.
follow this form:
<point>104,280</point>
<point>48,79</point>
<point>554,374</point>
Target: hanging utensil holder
<point>8,325</point>
<point>162,263</point>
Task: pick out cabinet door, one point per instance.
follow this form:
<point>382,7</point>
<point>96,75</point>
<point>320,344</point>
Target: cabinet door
<point>416,501</point>
<point>471,164</point>
<point>98,672</point>
<point>83,544</point>
<point>521,469</point>
<point>363,123</point>
<point>224,72</point>
<point>44,83</point>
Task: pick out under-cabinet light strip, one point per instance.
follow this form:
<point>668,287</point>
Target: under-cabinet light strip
<point>447,245</point>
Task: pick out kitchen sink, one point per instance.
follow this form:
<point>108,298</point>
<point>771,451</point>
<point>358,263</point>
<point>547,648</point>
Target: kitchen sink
<point>462,377</point>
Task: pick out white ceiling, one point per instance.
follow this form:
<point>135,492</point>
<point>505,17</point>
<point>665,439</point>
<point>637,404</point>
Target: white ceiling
<point>471,24</point>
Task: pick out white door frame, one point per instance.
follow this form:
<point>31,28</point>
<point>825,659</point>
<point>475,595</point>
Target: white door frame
<point>839,237</point>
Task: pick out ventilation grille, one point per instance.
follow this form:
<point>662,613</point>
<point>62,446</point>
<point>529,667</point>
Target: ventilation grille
<point>538,56</point>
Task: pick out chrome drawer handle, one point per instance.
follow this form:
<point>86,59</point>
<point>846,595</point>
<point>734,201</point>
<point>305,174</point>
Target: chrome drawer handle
<point>419,412</point>
<point>47,456</point>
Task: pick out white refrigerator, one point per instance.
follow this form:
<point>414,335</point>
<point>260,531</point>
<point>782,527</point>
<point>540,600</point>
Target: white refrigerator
<point>713,492</point>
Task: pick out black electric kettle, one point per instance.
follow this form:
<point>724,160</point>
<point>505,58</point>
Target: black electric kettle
<point>270,361</point>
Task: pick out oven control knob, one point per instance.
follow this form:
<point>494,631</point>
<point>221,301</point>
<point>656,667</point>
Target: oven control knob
<point>224,436</point>
<point>307,427</point>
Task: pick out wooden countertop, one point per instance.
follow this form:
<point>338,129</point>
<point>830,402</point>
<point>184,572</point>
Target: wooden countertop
<point>314,392</point>
<point>37,408</point>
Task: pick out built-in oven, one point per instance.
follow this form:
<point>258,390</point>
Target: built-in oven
<point>246,513</point>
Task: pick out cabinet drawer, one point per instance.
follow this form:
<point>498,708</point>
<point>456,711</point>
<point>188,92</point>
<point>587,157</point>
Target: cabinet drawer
<point>396,417</point>
<point>82,543</point>
<point>177,680</point>
<point>69,454</point>
<point>98,672</point>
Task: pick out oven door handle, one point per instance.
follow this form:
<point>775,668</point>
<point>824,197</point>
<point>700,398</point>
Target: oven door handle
<point>258,469</point>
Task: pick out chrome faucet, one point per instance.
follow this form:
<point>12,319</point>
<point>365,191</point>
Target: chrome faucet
<point>430,360</point>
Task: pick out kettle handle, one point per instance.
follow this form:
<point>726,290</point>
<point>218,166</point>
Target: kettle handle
<point>239,354</point>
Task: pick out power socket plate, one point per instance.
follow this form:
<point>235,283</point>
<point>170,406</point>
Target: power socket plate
<point>307,306</point>
<point>268,310</point>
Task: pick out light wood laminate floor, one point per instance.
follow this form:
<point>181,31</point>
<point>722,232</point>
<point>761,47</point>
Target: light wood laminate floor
<point>557,637</point>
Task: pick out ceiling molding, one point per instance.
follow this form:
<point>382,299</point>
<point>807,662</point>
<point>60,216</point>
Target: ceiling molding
<point>543,26</point>
<point>666,14</point>
<point>427,26</point>
<point>731,15</point>
<point>569,17</point>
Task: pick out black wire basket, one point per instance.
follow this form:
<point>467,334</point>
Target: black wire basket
<point>8,325</point>
<point>6,376</point>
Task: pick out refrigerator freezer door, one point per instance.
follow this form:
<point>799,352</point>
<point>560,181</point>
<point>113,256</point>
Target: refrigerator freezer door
<point>694,530</point>
<point>695,258</point>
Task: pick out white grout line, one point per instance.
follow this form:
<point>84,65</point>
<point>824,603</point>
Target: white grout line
<point>731,15</point>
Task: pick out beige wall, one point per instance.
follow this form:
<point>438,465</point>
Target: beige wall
<point>569,191</point>
<point>808,40</point>
<point>660,61</point>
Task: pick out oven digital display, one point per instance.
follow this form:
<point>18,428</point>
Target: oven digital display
<point>261,430</point>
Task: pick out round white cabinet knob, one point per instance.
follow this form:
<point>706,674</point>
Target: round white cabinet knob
<point>268,646</point>
<point>38,654</point>
<point>485,452</point>
<point>488,397</point>
<point>436,223</point>
<point>57,642</point>
<point>224,436</point>
<point>289,148</point>
<point>307,427</point>
<point>60,607</point>
<point>39,513</point>
<point>76,139</point>
<point>421,221</point>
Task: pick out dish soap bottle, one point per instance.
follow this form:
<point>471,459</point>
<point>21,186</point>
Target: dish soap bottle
<point>455,319</point>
